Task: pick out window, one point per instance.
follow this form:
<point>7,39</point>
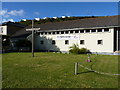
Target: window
<point>99,30</point>
<point>53,32</point>
<point>106,29</point>
<point>82,42</point>
<point>41,42</point>
<point>71,31</point>
<point>53,42</point>
<point>57,32</point>
<point>62,32</point>
<point>1,29</point>
<point>81,31</point>
<point>66,32</point>
<point>45,33</point>
<point>49,32</point>
<point>87,31</point>
<point>100,42</point>
<point>41,33</point>
<point>66,41</point>
<point>76,31</point>
<point>93,30</point>
<point>38,33</point>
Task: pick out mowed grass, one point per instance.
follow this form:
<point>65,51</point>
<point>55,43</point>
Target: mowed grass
<point>56,70</point>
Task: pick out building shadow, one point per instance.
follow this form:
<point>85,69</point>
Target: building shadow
<point>44,44</point>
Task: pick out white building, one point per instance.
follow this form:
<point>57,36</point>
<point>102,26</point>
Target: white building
<point>9,28</point>
<point>96,34</point>
<point>3,30</point>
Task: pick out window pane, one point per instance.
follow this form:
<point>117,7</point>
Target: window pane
<point>66,41</point>
<point>41,33</point>
<point>62,32</point>
<point>82,42</point>
<point>71,31</point>
<point>53,32</point>
<point>81,31</point>
<point>57,32</point>
<point>66,32</point>
<point>49,32</point>
<point>99,30</point>
<point>93,30</point>
<point>53,42</point>
<point>87,31</point>
<point>41,42</point>
<point>77,31</point>
<point>38,33</point>
<point>100,42</point>
<point>106,30</point>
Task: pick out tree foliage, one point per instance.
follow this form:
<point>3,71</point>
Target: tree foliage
<point>58,19</point>
<point>23,43</point>
<point>5,41</point>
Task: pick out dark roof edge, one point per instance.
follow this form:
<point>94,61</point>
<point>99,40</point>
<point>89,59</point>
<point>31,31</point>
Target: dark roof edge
<point>77,28</point>
<point>12,23</point>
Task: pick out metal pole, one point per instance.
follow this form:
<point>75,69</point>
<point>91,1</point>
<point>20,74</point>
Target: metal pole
<point>32,38</point>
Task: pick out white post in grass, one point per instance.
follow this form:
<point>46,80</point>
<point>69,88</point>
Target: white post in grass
<point>32,29</point>
<point>76,68</point>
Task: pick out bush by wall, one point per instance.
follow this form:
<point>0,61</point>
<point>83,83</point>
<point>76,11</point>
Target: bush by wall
<point>76,50</point>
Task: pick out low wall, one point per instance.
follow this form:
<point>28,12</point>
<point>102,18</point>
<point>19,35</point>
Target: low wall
<point>106,53</point>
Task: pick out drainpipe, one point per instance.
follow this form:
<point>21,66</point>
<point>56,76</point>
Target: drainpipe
<point>117,40</point>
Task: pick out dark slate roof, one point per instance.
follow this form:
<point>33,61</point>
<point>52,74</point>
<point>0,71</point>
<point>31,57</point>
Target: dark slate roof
<point>22,33</point>
<point>13,23</point>
<point>82,23</point>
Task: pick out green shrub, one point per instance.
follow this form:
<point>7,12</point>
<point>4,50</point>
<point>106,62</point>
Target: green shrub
<point>84,51</point>
<point>76,50</point>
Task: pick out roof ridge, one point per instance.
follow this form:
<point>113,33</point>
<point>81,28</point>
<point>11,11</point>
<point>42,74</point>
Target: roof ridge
<point>78,19</point>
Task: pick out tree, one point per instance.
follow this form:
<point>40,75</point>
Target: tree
<point>23,43</point>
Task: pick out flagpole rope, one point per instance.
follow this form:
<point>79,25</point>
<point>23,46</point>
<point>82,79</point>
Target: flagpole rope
<point>97,71</point>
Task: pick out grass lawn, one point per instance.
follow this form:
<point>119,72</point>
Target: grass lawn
<point>56,70</point>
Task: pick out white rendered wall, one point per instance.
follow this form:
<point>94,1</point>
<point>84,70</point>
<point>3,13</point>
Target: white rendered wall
<point>3,30</point>
<point>59,43</point>
<point>90,41</point>
<point>92,38</point>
